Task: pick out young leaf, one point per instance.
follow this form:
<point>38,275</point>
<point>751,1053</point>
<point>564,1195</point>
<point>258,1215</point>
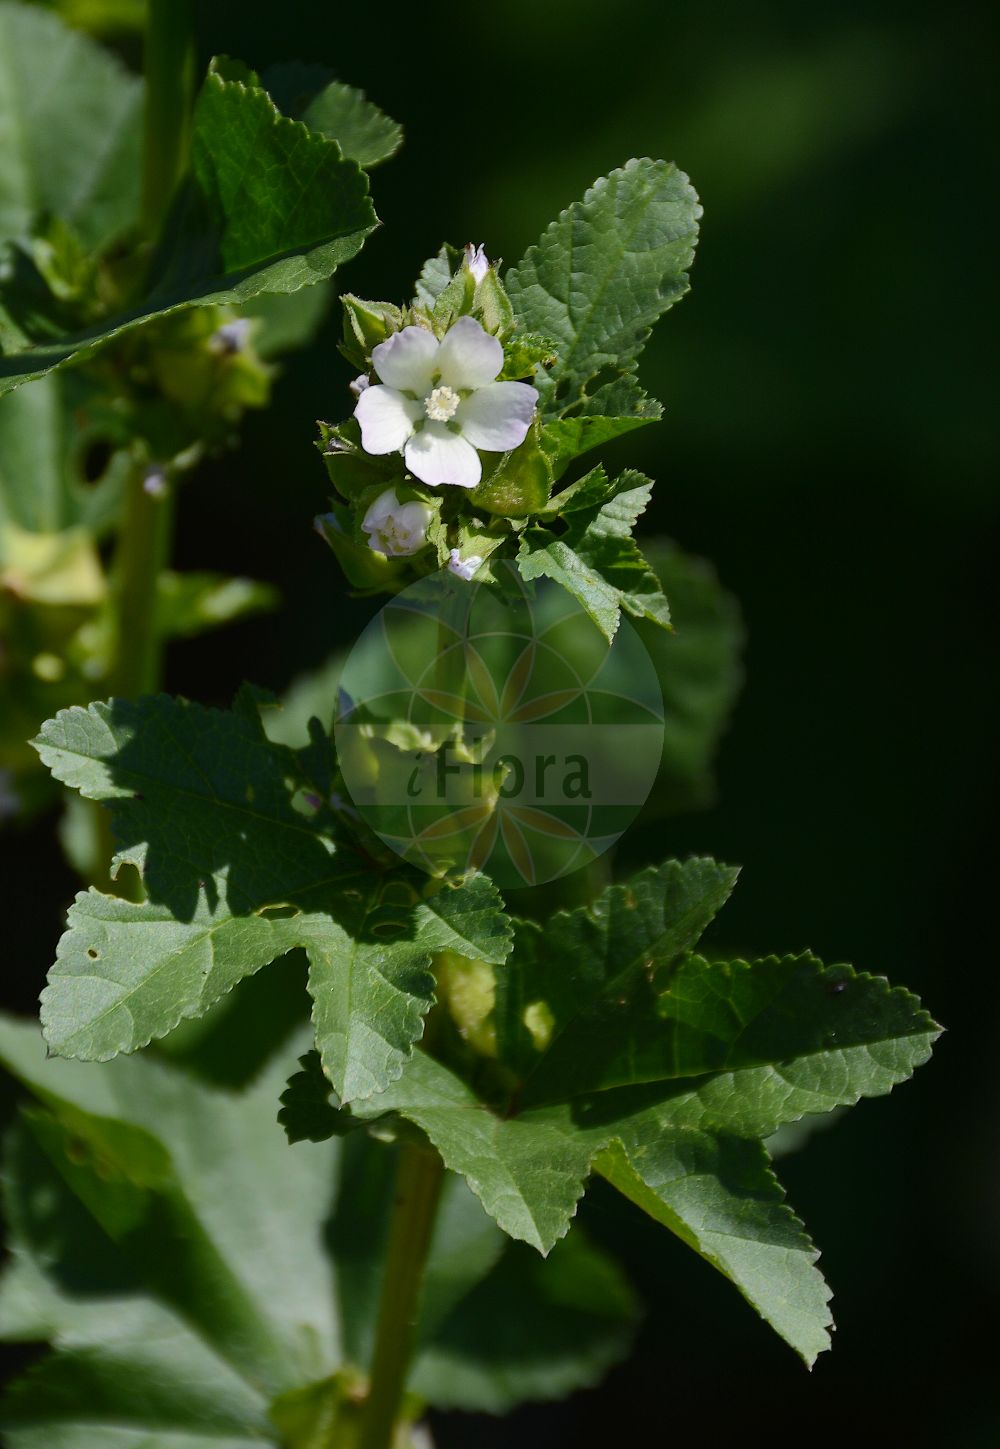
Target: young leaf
<point>603,273</point>
<point>236,874</point>
<point>271,207</point>
<point>596,559</point>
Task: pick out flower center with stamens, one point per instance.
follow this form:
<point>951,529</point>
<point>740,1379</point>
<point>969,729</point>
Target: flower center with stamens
<point>442,404</point>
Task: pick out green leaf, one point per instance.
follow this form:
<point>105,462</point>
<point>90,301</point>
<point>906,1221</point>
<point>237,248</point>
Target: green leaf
<point>314,695</point>
<point>719,1196</point>
<point>370,982</point>
<point>133,1362</point>
<point>288,321</point>
<point>528,1171</point>
<point>307,1113</point>
<point>753,1045</point>
<point>603,273</point>
<point>436,273</point>
<point>310,94</point>
<point>50,568</point>
<point>271,207</point>
<point>698,666</point>
<point>191,604</point>
<point>596,559</point>
<point>490,1354</point>
<point>566,438</point>
<point>71,115</point>
<point>238,870</point>
<point>584,964</point>
<point>48,436</point>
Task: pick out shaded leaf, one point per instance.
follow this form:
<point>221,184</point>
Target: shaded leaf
<point>73,114</point>
<point>302,1232</point>
<point>238,871</point>
<point>719,1196</point>
<point>271,207</point>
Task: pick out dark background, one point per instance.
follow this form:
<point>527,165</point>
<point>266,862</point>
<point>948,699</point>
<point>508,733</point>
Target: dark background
<point>827,444</point>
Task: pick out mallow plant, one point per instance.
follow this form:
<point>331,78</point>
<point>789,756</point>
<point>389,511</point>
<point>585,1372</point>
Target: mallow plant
<point>354,1004</point>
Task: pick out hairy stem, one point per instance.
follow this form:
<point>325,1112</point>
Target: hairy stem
<point>170,73</point>
<point>418,1190</point>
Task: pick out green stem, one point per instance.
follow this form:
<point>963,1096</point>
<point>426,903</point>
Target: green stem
<point>142,554</point>
<point>418,1189</point>
<point>169,64</point>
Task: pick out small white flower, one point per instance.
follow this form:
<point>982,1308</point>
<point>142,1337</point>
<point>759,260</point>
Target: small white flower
<point>154,482</point>
<point>437,402</point>
<point>359,384</point>
<point>396,529</point>
<point>232,336</point>
<point>476,260</point>
<point>464,568</point>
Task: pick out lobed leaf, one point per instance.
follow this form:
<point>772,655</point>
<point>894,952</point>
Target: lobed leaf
<point>237,872</point>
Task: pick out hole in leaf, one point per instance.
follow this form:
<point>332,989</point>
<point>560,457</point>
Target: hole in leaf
<point>279,912</point>
<point>94,955</point>
<point>388,928</point>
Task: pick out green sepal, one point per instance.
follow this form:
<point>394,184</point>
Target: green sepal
<point>364,567</point>
<point>350,469</point>
<point>492,305</point>
<point>520,482</point>
<point>366,324</point>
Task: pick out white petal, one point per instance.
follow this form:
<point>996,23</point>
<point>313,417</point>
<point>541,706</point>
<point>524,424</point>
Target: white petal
<point>386,419</point>
<point>468,356</point>
<point>497,417</point>
<point>407,360</point>
<point>476,260</point>
<point>385,504</point>
<point>437,455</point>
<point>464,568</point>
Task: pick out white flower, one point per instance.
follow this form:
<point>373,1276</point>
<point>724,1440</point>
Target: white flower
<point>396,529</point>
<point>437,402</point>
<point>360,383</point>
<point>464,568</point>
<point>476,260</point>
